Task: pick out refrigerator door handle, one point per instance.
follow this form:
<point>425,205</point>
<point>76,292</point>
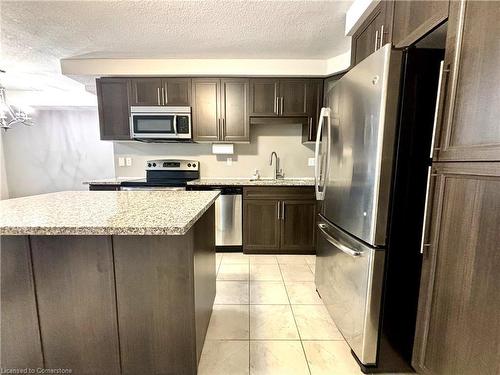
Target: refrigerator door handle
<point>337,244</point>
<point>320,195</point>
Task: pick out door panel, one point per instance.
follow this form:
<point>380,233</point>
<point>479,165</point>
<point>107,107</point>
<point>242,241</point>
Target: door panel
<point>146,91</point>
<point>113,105</point>
<point>263,97</point>
<point>234,113</point>
<point>261,225</point>
<point>470,129</point>
<point>298,225</point>
<point>205,110</point>
<point>20,335</point>
<point>458,330</point>
<point>362,135</point>
<point>177,91</point>
<point>414,19</point>
<point>350,285</point>
<point>293,97</point>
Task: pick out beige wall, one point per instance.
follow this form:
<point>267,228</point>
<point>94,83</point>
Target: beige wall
<point>284,139</point>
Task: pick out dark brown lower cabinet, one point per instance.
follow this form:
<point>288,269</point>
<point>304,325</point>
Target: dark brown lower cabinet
<point>278,220</point>
<point>458,325</point>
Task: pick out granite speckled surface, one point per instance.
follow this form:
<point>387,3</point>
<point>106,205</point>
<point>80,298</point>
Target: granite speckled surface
<point>105,213</point>
<point>248,182</point>
<point>111,181</point>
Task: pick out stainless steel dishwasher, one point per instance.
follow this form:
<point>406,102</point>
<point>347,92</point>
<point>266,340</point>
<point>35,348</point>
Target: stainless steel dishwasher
<point>228,216</point>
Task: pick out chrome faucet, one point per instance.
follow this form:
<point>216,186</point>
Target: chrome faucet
<point>278,173</point>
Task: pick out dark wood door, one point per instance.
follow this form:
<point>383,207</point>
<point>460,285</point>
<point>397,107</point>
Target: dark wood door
<point>234,109</point>
<point>298,225</point>
<point>113,106</point>
<point>261,226</point>
<point>470,115</point>
<point>264,97</point>
<point>458,329</point>
<point>146,91</point>
<point>293,97</point>
<point>206,109</point>
<point>20,335</point>
<point>373,33</point>
<point>75,291</point>
<point>314,104</point>
<point>177,91</point>
<point>414,19</point>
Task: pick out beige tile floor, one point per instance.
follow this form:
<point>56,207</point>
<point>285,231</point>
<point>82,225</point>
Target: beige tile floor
<point>269,320</point>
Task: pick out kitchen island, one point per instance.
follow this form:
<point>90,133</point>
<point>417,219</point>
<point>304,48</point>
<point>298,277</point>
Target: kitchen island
<point>107,282</point>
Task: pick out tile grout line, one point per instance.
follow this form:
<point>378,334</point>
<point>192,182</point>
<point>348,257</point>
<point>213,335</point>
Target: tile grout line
<point>295,321</point>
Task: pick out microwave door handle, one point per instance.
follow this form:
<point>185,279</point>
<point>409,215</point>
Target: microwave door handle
<point>175,124</point>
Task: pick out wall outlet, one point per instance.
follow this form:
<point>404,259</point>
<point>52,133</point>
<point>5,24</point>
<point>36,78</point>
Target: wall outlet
<point>128,161</point>
<point>229,161</point>
<point>121,161</point>
<point>311,162</point>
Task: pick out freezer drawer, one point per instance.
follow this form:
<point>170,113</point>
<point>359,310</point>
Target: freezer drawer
<point>349,279</point>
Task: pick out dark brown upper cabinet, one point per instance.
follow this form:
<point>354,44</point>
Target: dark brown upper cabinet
<point>414,19</point>
<point>457,329</point>
<point>469,108</point>
<point>264,94</point>
<point>235,101</point>
<point>220,110</point>
<point>113,106</point>
<point>293,97</point>
<point>373,33</point>
<point>160,91</point>
<point>279,220</point>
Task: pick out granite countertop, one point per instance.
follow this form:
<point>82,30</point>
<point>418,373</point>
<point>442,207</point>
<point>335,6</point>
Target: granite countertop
<point>248,182</point>
<point>105,213</point>
<point>111,181</point>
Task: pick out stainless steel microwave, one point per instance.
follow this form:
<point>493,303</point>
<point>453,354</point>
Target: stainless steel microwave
<point>160,123</point>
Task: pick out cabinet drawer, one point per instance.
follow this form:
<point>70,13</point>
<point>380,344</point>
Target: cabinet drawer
<point>279,192</point>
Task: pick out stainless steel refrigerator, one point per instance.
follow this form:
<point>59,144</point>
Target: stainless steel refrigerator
<point>372,159</point>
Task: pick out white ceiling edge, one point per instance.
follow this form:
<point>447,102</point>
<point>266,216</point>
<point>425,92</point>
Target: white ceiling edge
<point>338,63</point>
<point>52,99</point>
<point>192,67</point>
<point>357,13</point>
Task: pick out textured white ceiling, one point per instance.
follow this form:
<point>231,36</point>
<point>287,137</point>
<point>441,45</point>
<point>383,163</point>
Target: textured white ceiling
<point>35,35</point>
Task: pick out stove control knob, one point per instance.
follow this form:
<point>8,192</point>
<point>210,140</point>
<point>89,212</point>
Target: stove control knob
<point>149,165</point>
<point>154,164</point>
<point>189,164</point>
<point>194,165</point>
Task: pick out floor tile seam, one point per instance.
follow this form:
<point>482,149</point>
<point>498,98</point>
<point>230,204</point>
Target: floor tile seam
<point>296,325</point>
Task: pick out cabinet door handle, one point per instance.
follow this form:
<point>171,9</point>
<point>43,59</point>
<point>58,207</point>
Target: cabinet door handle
<point>158,95</point>
<point>218,128</point>
<point>282,101</point>
<point>381,36</point>
<point>311,129</point>
<point>423,243</point>
<point>164,94</point>
<point>438,102</point>
<point>376,41</point>
<point>279,209</point>
<point>223,129</point>
<point>276,106</point>
<point>283,211</point>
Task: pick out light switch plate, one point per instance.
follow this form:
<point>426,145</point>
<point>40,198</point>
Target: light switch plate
<point>121,162</point>
<point>128,161</point>
<point>311,162</point>
<point>229,161</point>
